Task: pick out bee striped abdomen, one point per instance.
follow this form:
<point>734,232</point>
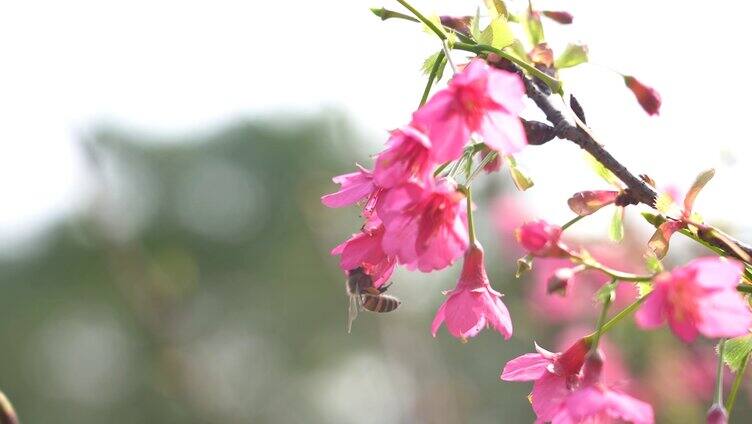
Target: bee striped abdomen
<point>380,303</point>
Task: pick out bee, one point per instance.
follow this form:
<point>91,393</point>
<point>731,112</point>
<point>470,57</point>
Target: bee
<point>359,288</point>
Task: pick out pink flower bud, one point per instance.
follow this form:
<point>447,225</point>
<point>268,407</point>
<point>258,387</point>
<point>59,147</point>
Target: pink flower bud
<point>648,98</point>
<point>561,17</point>
<point>540,238</point>
<point>592,368</point>
<point>560,280</point>
<point>717,414</point>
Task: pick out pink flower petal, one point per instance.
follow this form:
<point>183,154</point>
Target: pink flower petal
<point>652,314</point>
<point>528,367</point>
<point>715,272</point>
<point>724,314</point>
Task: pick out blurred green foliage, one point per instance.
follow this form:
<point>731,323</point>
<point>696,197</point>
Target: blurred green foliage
<point>198,287</point>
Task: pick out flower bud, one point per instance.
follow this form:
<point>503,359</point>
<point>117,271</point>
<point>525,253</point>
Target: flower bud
<point>540,238</point>
<point>593,367</point>
<point>460,24</point>
<point>648,97</point>
<point>561,280</point>
<point>717,414</point>
<point>561,17</point>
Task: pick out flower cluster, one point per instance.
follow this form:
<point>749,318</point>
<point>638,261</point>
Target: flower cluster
<point>419,219</point>
<point>417,215</point>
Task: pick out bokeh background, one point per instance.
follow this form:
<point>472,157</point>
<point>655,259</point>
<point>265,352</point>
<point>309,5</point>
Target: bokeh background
<point>164,256</point>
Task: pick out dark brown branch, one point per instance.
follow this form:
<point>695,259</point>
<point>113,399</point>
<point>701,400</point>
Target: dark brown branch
<point>637,189</point>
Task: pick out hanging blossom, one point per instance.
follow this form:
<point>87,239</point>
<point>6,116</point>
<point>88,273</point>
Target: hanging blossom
<point>698,298</point>
<point>426,226</point>
<point>408,154</point>
<point>566,392</point>
<point>473,304</point>
<point>354,187</point>
<point>539,238</point>
<point>363,250</point>
<point>646,96</point>
<point>481,100</point>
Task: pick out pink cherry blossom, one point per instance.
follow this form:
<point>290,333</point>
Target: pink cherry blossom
<point>407,155</point>
<point>540,238</point>
<point>363,250</point>
<point>473,304</point>
<point>354,187</point>
<point>554,375</point>
<point>698,298</point>
<point>426,226</point>
<point>481,100</point>
<point>594,401</point>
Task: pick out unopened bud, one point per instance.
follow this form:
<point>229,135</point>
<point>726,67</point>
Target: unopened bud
<point>717,414</point>
<point>540,238</point>
<point>561,17</point>
<point>560,281</point>
<point>7,412</point>
<point>460,24</point>
<point>648,97</point>
<point>593,367</point>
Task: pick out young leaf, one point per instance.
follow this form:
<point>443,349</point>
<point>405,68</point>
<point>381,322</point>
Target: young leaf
<point>616,230</point>
<point>534,27</point>
<point>653,263</point>
<point>607,293</point>
<point>521,181</point>
<point>643,288</point>
<point>700,181</point>
<point>497,8</point>
<point>430,61</point>
<point>602,171</point>
<point>475,25</point>
<point>736,351</point>
<point>587,202</point>
<point>497,34</point>
<point>573,55</point>
<point>658,243</point>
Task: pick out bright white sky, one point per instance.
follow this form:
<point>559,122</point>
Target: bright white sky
<point>179,66</point>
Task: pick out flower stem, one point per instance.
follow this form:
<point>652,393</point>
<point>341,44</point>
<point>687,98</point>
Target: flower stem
<point>718,397</point>
<point>572,222</point>
<point>618,317</point>
<point>432,77</point>
<point>553,83</point>
<point>470,223</point>
<point>488,158</point>
<point>737,383</point>
<point>423,19</point>
<point>602,319</point>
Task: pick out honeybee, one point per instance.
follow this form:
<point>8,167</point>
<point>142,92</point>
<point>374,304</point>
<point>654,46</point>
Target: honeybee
<point>359,288</point>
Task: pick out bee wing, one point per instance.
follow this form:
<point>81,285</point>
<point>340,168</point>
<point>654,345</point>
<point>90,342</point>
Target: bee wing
<point>352,312</point>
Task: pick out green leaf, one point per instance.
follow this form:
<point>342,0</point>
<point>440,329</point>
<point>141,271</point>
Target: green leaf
<point>521,181</point>
<point>475,25</point>
<point>616,230</point>
<point>736,351</point>
<point>602,171</point>
<point>643,288</point>
<point>429,62</point>
<point>653,263</point>
<point>517,50</point>
<point>497,34</point>
<point>606,294</point>
<point>497,8</point>
<point>534,27</point>
<point>573,55</point>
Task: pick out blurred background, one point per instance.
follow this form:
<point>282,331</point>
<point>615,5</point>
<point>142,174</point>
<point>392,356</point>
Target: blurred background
<point>164,256</point>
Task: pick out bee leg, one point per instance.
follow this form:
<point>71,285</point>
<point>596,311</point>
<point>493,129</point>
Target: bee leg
<point>382,289</point>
